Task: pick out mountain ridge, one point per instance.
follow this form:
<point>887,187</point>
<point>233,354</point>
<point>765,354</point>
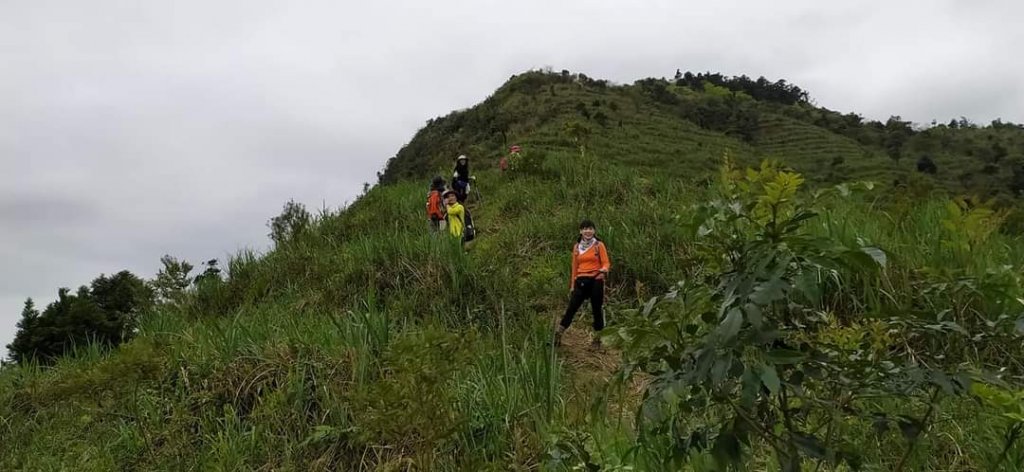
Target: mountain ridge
<point>688,122</point>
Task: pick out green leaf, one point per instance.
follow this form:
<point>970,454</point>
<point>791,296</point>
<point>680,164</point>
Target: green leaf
<point>649,306</point>
<point>654,412</point>
<point>877,255</point>
<point>770,379</point>
<point>754,315</point>
<point>859,259</point>
<point>807,284</point>
<point>1019,325</point>
<point>731,325</point>
<point>770,291</point>
<point>751,386</point>
<point>720,368</point>
<point>797,220</point>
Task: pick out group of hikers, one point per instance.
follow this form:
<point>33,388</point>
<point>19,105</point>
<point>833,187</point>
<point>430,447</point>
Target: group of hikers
<point>445,209</point>
<point>590,262</point>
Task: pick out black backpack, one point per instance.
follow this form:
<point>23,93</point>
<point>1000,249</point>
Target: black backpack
<point>469,232</point>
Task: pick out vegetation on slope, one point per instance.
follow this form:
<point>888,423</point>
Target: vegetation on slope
<point>360,342</point>
<point>682,126</point>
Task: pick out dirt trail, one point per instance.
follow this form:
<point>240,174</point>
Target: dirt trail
<point>577,353</point>
<point>592,369</point>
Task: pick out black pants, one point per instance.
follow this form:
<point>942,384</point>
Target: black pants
<point>586,288</point>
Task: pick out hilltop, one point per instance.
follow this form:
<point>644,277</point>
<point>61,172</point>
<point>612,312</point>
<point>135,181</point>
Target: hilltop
<point>756,316</point>
<point>683,126</point>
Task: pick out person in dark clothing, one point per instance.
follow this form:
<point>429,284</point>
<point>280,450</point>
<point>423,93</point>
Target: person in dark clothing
<point>461,178</point>
<point>590,266</point>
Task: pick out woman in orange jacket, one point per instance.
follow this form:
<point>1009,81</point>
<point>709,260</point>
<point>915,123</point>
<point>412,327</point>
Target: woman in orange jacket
<point>590,266</point>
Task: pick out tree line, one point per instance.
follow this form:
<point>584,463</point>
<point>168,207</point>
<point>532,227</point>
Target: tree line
<point>104,313</point>
<point>107,311</point>
<point>762,89</point>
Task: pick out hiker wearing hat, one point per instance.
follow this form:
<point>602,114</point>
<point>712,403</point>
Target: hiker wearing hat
<point>455,214</point>
<point>460,223</point>
<point>590,266</point>
<point>435,205</point>
<point>461,178</point>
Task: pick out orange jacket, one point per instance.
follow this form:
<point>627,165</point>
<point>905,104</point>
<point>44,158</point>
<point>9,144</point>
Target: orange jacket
<point>434,209</point>
<point>590,263</point>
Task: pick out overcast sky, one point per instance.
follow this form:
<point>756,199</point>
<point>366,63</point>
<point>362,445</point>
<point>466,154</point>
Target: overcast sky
<point>131,129</point>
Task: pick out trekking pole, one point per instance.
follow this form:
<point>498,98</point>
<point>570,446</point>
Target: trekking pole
<point>476,191</point>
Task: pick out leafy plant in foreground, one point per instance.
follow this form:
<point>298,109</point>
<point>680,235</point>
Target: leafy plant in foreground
<point>751,357</point>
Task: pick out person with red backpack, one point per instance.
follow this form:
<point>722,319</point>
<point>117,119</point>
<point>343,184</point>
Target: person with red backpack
<point>435,205</point>
<point>590,266</point>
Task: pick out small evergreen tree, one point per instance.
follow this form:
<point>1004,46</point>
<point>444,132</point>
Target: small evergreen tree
<point>172,280</point>
<point>122,293</point>
<point>27,324</point>
<point>293,220</point>
<point>104,314</point>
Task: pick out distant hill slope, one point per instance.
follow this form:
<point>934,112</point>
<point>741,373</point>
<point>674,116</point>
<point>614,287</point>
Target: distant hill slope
<point>682,127</point>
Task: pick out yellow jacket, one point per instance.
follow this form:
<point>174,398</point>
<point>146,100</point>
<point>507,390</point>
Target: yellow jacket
<point>456,219</point>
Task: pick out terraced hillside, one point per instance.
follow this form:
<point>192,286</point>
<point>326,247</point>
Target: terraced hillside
<point>655,125</point>
<point>820,153</point>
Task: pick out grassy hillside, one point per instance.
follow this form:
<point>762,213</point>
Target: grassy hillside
<point>666,126</point>
<point>363,343</point>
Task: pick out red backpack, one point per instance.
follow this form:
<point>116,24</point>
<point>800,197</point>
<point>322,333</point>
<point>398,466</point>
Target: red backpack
<point>434,205</point>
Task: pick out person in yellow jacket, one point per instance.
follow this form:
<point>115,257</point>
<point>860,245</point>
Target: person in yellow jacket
<point>456,214</point>
<point>590,266</point>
